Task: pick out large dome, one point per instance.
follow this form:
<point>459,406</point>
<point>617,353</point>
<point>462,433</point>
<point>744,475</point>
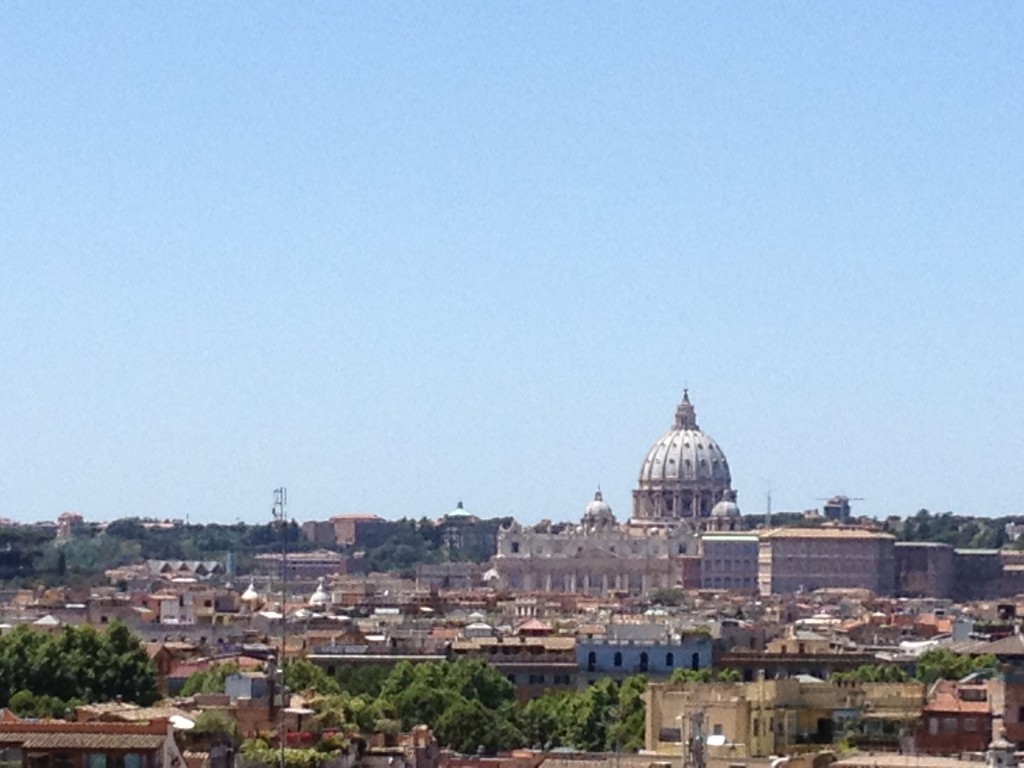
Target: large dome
<point>684,473</point>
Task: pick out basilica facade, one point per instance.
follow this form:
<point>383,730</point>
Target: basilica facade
<point>684,489</point>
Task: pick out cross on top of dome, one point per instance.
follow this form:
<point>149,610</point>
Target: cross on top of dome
<point>686,416</point>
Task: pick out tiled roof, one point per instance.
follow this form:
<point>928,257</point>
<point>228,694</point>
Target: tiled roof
<point>556,643</point>
<point>144,741</point>
<point>825,533</point>
<point>535,625</point>
<point>1007,646</point>
<point>945,698</point>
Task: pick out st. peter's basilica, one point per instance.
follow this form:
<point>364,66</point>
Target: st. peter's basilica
<point>684,490</point>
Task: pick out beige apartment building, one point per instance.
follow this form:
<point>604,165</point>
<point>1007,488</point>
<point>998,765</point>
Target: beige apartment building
<point>771,717</point>
<point>805,559</point>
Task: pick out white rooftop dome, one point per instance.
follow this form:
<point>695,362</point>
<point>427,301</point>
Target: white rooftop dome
<point>320,598</point>
<point>598,513</point>
<point>727,507</point>
<point>250,595</point>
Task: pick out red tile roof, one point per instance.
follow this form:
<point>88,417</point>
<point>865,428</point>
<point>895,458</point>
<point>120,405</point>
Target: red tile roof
<point>946,696</point>
<point>94,741</point>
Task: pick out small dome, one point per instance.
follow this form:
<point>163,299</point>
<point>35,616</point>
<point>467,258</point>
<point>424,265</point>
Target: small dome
<point>598,505</point>
<point>598,512</point>
<point>727,507</point>
<point>459,511</point>
<point>250,595</point>
<point>320,598</point>
<point>491,575</point>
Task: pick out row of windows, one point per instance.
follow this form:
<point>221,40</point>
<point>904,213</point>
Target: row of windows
<point>541,679</point>
<point>728,581</point>
<point>951,725</point>
<point>645,661</point>
<point>723,563</point>
<point>558,547</point>
<point>113,760</point>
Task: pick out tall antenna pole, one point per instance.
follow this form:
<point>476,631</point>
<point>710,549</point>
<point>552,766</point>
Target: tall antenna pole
<point>281,517</point>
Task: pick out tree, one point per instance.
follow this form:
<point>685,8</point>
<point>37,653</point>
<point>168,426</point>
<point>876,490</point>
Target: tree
<point>872,673</point>
<point>682,675</point>
<point>945,665</point>
<point>209,680</point>
<point>467,726</point>
<point>627,733</point>
<point>666,596</point>
<point>216,724</point>
<point>76,663</point>
<point>303,675</point>
<point>27,704</point>
<point>546,721</point>
<point>343,712</point>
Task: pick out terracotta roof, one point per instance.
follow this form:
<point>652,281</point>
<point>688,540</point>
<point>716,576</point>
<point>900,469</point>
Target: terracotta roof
<point>444,633</point>
<point>535,625</point>
<point>556,643</point>
<point>825,533</point>
<point>93,741</point>
<point>945,698</point>
<point>187,668</point>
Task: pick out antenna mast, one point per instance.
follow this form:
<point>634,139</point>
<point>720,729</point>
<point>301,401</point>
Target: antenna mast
<point>280,517</point>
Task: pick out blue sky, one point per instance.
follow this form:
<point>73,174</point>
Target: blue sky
<point>394,255</point>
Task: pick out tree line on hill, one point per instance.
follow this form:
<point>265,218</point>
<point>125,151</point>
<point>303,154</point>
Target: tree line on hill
<point>31,554</point>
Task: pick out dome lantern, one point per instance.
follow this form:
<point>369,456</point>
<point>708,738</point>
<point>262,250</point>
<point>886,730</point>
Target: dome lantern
<point>686,416</point>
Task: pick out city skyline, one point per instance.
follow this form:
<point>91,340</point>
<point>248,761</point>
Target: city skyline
<point>393,257</point>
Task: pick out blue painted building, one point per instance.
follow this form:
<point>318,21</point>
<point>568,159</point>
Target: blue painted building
<point>641,650</point>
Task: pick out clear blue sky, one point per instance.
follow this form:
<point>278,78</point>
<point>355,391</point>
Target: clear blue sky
<point>391,255</point>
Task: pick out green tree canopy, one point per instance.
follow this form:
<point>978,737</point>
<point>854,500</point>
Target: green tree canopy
<point>603,717</point>
<point>303,675</point>
<point>76,663</point>
<point>209,680</point>
<point>945,665</point>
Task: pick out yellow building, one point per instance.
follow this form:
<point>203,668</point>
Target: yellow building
<point>770,717</point>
